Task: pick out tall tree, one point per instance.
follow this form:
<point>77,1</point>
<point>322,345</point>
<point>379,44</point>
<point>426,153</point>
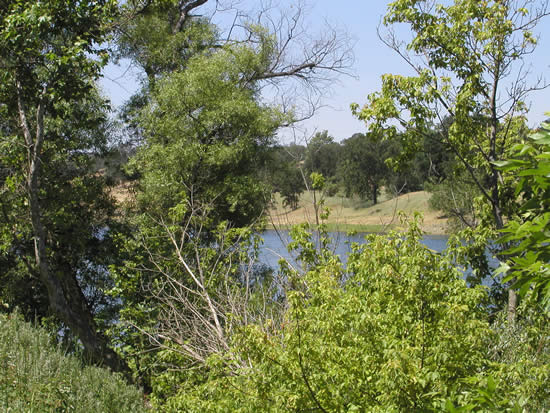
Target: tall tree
<point>363,167</point>
<point>468,62</point>
<point>206,129</point>
<point>50,60</point>
<point>322,155</point>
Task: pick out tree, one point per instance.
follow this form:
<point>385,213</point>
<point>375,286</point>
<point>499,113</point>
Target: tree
<point>467,57</point>
<point>322,155</point>
<point>286,174</point>
<point>160,37</point>
<point>49,114</point>
<point>270,51</point>
<point>529,254</point>
<point>363,168</point>
<point>205,144</point>
<point>205,133</point>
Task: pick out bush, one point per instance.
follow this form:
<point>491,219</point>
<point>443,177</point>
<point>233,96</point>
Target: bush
<point>37,377</point>
<point>399,330</point>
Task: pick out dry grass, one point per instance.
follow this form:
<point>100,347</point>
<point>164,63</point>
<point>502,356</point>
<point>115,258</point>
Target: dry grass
<point>347,214</point>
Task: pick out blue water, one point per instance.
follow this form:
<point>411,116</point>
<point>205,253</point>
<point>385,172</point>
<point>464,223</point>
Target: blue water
<point>275,242</point>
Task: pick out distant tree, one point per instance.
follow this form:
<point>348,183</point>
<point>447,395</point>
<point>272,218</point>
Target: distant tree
<point>286,173</point>
<point>362,168</point>
<point>322,155</point>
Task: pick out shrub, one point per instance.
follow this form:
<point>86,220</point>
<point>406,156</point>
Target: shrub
<point>399,330</point>
<point>37,377</point>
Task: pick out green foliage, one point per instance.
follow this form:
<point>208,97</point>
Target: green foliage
<point>38,377</point>
<point>285,173</point>
<point>396,331</point>
<point>362,169</point>
<point>529,234</point>
<point>322,155</point>
<point>55,211</point>
<point>206,135</point>
<point>76,210</point>
<point>519,378</point>
<point>149,38</point>
<point>463,53</point>
<point>455,197</point>
<point>43,56</point>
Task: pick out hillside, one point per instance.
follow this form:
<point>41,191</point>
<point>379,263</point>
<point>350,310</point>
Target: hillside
<point>346,214</point>
<point>356,214</point>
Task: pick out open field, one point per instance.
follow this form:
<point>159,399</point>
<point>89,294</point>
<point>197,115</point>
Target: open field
<point>346,214</point>
<point>354,214</point>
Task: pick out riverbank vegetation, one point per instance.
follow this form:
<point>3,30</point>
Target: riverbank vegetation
<point>160,282</point>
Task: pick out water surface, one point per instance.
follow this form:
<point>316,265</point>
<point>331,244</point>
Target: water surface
<point>275,242</point>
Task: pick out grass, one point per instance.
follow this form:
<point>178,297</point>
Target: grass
<point>37,377</point>
<point>360,215</point>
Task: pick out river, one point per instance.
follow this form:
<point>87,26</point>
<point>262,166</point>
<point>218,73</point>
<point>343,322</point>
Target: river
<point>275,242</point>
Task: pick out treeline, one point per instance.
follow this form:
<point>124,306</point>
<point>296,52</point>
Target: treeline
<point>164,286</point>
<point>358,166</point>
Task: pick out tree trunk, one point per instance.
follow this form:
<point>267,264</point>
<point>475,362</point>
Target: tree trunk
<point>495,178</point>
<point>64,294</point>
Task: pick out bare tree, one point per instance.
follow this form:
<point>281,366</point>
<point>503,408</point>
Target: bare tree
<point>205,292</point>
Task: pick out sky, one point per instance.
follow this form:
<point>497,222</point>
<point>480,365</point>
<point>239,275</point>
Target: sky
<point>360,18</point>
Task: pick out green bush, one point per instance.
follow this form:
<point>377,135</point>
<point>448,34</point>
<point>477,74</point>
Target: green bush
<point>37,377</point>
<point>398,330</point>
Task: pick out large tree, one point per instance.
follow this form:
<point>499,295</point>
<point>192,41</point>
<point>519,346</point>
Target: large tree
<point>51,119</point>
<point>467,59</point>
<point>363,168</point>
<point>205,128</point>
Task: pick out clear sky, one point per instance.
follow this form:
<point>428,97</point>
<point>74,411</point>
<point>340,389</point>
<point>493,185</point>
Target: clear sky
<point>372,59</point>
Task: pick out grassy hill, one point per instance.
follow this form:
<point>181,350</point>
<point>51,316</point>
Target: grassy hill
<point>346,214</point>
<point>356,214</point>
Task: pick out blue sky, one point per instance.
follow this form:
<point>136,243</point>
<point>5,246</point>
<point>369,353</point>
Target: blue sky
<point>372,59</point>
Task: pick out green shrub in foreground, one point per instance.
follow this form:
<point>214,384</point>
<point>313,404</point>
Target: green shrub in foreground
<point>36,377</point>
<point>397,330</point>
